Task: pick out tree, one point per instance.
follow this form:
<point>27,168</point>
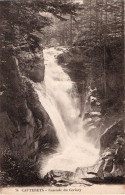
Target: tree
<point>98,36</point>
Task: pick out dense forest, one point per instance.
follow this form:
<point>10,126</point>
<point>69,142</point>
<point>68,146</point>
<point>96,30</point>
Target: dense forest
<point>90,36</point>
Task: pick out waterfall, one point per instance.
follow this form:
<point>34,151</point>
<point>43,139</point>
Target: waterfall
<point>56,95</point>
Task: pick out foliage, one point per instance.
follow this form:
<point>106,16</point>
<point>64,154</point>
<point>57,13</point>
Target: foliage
<point>23,24</point>
<point>25,16</point>
<point>19,173</point>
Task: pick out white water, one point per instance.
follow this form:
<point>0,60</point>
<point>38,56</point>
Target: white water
<point>56,96</point>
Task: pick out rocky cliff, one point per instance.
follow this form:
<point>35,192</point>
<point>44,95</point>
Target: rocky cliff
<point>26,129</point>
<point>102,114</point>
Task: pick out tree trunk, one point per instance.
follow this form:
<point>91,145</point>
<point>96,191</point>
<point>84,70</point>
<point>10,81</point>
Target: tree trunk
<point>123,49</point>
<point>71,38</point>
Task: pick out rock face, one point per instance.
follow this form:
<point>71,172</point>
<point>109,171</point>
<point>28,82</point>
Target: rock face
<point>112,146</point>
<point>103,112</point>
<point>110,135</point>
<point>112,156</point>
<point>73,61</point>
<point>34,65</point>
<point>28,128</point>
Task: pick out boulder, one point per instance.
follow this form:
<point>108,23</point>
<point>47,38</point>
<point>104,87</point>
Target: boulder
<point>64,178</point>
<point>36,74</point>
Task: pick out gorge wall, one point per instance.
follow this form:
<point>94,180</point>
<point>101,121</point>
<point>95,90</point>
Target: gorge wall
<point>25,127</point>
<point>85,67</point>
<point>101,113</point>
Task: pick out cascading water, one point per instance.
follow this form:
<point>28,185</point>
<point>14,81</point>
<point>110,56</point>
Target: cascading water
<point>56,96</point>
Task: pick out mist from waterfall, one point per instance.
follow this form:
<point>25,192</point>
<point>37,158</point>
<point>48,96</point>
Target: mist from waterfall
<point>57,95</point>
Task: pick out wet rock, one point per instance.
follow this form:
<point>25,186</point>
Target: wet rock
<point>64,58</point>
<point>118,170</point>
<point>64,178</point>
<point>93,114</point>
<point>110,135</point>
<point>36,74</point>
<point>97,169</point>
<point>109,165</point>
<point>111,161</point>
<point>55,176</point>
<point>84,172</point>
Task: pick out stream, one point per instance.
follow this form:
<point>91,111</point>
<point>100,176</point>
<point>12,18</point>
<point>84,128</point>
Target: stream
<point>58,96</point>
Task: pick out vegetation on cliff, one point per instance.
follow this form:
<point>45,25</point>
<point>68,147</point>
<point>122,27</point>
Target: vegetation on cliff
<point>98,53</point>
<point>96,64</point>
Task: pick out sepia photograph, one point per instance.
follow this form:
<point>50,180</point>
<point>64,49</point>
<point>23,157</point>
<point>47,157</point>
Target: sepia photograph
<point>62,97</point>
